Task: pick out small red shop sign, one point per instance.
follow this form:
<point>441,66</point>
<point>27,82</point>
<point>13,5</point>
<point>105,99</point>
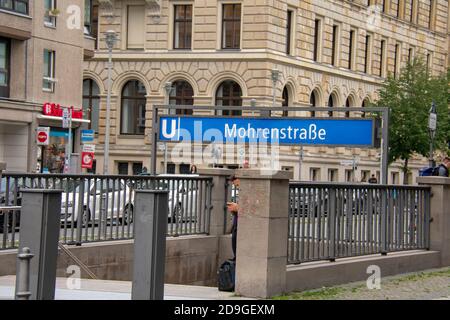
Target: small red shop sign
<point>87,160</point>
<point>56,110</point>
<point>87,156</point>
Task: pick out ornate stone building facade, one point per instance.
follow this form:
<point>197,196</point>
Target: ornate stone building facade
<point>328,53</point>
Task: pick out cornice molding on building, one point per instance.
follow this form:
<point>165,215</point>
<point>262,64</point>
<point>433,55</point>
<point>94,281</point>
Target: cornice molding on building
<point>386,18</point>
<point>20,104</point>
<point>268,56</point>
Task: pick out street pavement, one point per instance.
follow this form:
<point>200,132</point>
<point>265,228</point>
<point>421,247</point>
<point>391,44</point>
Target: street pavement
<point>117,290</point>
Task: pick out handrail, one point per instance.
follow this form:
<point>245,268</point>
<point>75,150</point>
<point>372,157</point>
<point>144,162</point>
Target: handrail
<point>11,208</point>
<point>80,263</point>
<point>364,185</point>
<point>100,176</point>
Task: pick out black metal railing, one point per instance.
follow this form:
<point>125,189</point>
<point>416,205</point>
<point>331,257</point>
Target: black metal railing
<point>101,207</point>
<point>329,221</point>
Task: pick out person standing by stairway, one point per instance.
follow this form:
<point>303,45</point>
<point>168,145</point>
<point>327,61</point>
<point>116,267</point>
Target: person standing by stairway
<point>233,208</point>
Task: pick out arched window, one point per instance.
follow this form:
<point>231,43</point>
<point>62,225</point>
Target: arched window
<point>91,102</point>
<point>331,103</point>
<point>133,108</point>
<point>347,105</point>
<point>285,102</point>
<point>229,93</point>
<point>313,102</point>
<point>365,104</point>
<point>182,94</point>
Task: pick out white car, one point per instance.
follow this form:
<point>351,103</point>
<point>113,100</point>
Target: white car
<point>102,200</point>
<point>184,203</point>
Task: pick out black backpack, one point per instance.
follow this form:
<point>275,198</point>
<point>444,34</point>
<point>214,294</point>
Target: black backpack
<point>226,276</point>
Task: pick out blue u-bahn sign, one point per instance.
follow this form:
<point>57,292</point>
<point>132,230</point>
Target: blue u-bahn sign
<point>292,131</point>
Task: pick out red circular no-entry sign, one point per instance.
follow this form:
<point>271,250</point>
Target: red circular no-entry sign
<point>42,136</point>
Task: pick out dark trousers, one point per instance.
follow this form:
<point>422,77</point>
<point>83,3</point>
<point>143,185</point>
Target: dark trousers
<point>234,237</point>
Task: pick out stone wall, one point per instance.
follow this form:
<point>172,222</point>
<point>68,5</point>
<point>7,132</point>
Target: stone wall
<point>190,260</point>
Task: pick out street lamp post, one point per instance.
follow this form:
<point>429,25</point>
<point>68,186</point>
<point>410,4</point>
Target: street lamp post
<point>168,88</point>
<point>110,39</point>
<point>275,76</point>
<point>300,160</point>
<point>432,122</point>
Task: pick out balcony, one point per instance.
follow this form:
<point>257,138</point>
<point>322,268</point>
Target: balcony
<point>15,25</point>
<point>88,47</point>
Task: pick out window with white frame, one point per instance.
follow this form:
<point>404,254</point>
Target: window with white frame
<point>289,31</point>
<point>20,6</point>
<point>314,174</point>
<point>50,13</point>
<point>367,54</point>
<point>332,175</point>
<point>317,39</point>
<point>49,80</point>
<point>352,49</point>
<point>382,58</point>
<point>231,26</point>
<point>334,45</point>
<point>4,67</point>
<point>182,27</point>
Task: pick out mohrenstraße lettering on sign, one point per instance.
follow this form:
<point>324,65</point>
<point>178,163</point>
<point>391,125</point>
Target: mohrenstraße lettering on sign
<point>294,131</point>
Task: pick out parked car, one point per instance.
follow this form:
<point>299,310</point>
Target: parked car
<point>305,203</point>
<point>8,197</point>
<point>183,197</point>
<point>102,200</point>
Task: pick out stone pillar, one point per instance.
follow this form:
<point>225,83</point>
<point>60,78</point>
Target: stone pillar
<point>262,232</point>
<point>440,215</point>
<point>39,231</point>
<point>218,198</point>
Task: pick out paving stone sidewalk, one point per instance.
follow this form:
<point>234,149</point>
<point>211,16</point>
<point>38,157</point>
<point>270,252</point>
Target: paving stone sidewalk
<point>426,285</point>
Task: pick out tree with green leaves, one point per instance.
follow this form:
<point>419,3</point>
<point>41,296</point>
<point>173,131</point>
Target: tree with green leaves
<point>409,97</point>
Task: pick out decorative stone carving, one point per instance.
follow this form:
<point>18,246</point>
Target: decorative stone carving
<point>154,8</point>
<point>106,9</point>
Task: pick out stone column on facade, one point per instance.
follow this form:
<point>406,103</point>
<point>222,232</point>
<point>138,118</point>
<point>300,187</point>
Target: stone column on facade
<point>440,215</point>
<point>219,197</point>
<point>262,232</point>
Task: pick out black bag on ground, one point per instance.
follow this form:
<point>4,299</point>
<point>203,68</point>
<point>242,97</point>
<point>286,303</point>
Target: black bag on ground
<point>226,276</point>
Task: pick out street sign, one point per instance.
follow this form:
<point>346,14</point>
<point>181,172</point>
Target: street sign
<point>432,121</point>
<point>42,136</point>
<point>87,160</point>
<point>66,118</point>
<point>87,156</point>
<point>88,148</point>
<point>347,163</point>
<point>87,135</point>
<point>293,131</point>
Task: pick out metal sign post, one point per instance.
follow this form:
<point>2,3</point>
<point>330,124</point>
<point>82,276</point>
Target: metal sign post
<point>67,124</point>
<point>300,161</point>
